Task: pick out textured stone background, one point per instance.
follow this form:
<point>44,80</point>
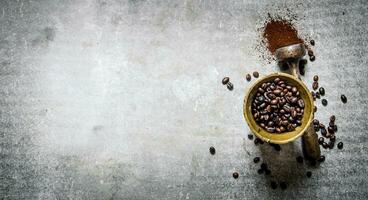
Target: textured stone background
<point>122,99</point>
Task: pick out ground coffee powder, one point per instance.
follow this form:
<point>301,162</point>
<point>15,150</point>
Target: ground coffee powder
<point>279,33</point>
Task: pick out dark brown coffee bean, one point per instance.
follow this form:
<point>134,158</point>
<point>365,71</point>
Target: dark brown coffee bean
<point>316,122</point>
<point>230,86</point>
<point>318,96</point>
<point>315,78</point>
<point>299,159</point>
<point>315,109</point>
<point>248,77</point>
<point>225,80</point>
<point>344,99</point>
<point>255,74</point>
<point>316,128</point>
<point>315,85</point>
<point>260,171</point>
<point>256,141</point>
<point>250,136</point>
<point>325,145</point>
<point>293,100</point>
<point>310,53</point>
<point>332,118</point>
<point>294,90</point>
<point>312,58</point>
<point>321,158</point>
<point>333,138</point>
<point>283,185</point>
<point>312,42</point>
<point>324,102</point>
<point>331,145</point>
<point>236,175</point>
<point>273,185</point>
<point>256,159</point>
<point>261,90</point>
<point>321,140</point>
<point>323,132</point>
<point>309,174</point>
<point>264,166</point>
<point>321,91</point>
<point>212,150</point>
<point>340,145</point>
<point>301,103</point>
<point>331,130</point>
<point>277,147</point>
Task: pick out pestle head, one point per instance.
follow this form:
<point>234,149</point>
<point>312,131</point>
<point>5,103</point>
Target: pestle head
<point>295,51</point>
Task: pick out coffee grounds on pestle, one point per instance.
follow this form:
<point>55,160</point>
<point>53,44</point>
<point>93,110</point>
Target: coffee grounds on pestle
<point>279,33</point>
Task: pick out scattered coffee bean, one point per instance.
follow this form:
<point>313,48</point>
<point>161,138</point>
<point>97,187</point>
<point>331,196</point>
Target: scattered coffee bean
<point>267,172</point>
<point>236,175</point>
<point>312,42</point>
<point>323,132</point>
<point>310,53</point>
<point>256,159</point>
<point>324,102</point>
<point>312,58</point>
<point>212,150</point>
<point>264,166</point>
<point>309,174</point>
<point>248,77</point>
<point>335,128</point>
<point>255,74</point>
<point>321,140</point>
<point>315,122</point>
<point>260,171</point>
<point>315,78</point>
<point>331,130</point>
<point>315,109</point>
<point>318,96</point>
<point>340,145</point>
<point>277,147</point>
<point>343,98</point>
<point>321,158</point>
<point>333,138</point>
<point>331,145</point>
<point>273,185</point>
<point>321,91</point>
<point>250,136</point>
<point>230,86</point>
<point>325,145</point>
<point>283,185</point>
<point>332,118</point>
<point>225,80</point>
<point>315,85</point>
<point>299,159</point>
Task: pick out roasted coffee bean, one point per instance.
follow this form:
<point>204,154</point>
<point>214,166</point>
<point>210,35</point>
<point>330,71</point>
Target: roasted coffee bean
<point>340,145</point>
<point>309,174</point>
<point>323,132</point>
<point>331,145</point>
<point>321,158</point>
<point>248,77</point>
<point>273,185</point>
<point>256,159</point>
<point>335,128</point>
<point>255,74</point>
<point>332,118</point>
<point>283,185</point>
<point>333,138</point>
<point>324,102</point>
<point>316,122</point>
<point>316,128</point>
<point>276,80</point>
<point>301,103</point>
<point>325,145</point>
<point>313,95</point>
<point>312,58</point>
<point>212,150</point>
<point>257,141</point>
<point>315,85</point>
<point>331,124</point>
<point>264,166</point>
<point>274,102</point>
<point>315,109</point>
<point>230,86</point>
<point>330,130</point>
<point>318,96</point>
<point>271,129</point>
<point>321,140</point>
<point>310,53</point>
<point>315,78</point>
<point>260,171</point>
<point>321,125</point>
<point>250,136</point>
<point>267,172</point>
<point>277,147</point>
<point>236,175</point>
<point>321,91</point>
<point>299,159</point>
<point>312,42</point>
<point>225,80</point>
<point>343,98</point>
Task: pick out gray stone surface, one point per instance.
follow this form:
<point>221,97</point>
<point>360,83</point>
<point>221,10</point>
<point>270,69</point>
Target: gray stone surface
<point>122,99</point>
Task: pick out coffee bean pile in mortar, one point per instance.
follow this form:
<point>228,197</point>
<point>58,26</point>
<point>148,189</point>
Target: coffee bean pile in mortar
<point>278,107</point>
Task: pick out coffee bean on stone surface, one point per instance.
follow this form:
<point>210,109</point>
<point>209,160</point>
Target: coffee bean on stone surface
<point>310,53</point>
<point>324,102</point>
<point>236,175</point>
<point>230,86</point>
<point>212,150</point>
<point>323,132</point>
<point>312,42</point>
<point>255,74</point>
<point>321,140</point>
<point>315,122</point>
<point>333,138</point>
<point>315,85</point>
<point>318,96</point>
<point>332,118</point>
<point>335,128</point>
<point>343,98</point>
<point>331,130</point>
<point>225,80</point>
<point>250,136</point>
<point>340,145</point>
<point>248,77</point>
<point>321,158</point>
<point>331,144</point>
<point>325,145</point>
<point>315,78</point>
<point>256,159</point>
<point>312,58</point>
<point>321,91</point>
